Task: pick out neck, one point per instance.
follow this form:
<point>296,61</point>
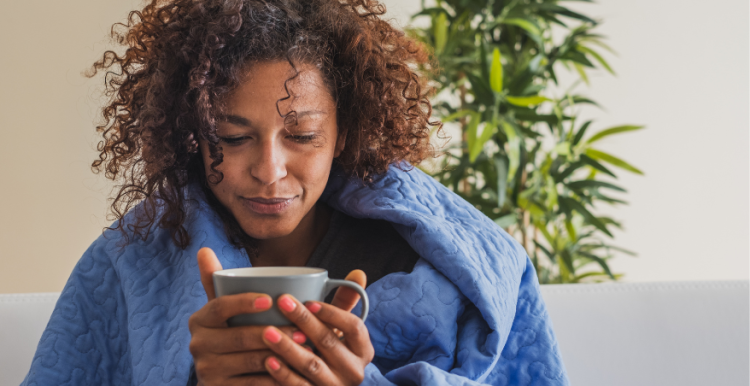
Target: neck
<point>295,248</point>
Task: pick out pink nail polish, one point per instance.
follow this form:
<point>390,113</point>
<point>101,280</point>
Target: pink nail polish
<point>273,363</point>
<point>299,337</point>
<point>272,335</point>
<point>262,303</point>
<point>313,307</point>
<point>286,304</point>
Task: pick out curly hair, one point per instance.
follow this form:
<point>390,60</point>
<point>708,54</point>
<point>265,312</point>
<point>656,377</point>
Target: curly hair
<point>183,58</point>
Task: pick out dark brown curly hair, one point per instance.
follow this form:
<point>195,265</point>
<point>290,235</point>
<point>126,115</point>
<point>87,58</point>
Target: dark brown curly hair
<point>183,58</point>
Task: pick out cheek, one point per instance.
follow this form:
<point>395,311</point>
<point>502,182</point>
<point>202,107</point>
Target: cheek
<point>312,169</point>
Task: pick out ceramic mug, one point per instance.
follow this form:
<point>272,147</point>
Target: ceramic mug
<point>304,283</point>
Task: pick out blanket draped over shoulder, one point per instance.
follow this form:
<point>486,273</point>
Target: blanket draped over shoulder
<point>470,313</point>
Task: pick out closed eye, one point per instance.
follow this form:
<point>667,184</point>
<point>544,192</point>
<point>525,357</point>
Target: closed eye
<point>303,138</point>
<point>233,141</point>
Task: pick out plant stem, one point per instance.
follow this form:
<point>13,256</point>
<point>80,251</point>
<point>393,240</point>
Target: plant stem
<point>465,185</point>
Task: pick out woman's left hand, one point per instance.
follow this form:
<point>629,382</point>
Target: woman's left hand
<point>341,362</point>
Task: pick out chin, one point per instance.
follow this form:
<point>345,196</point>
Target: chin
<point>267,231</point>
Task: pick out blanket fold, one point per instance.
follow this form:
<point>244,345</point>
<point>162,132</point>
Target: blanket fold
<point>469,313</point>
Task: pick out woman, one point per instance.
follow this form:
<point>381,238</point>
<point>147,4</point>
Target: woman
<point>281,132</point>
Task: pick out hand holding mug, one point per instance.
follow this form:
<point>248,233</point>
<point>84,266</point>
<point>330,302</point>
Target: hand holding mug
<point>223,355</point>
<point>341,361</point>
<point>241,354</point>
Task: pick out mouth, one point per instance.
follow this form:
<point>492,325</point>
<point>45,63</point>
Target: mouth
<point>266,206</point>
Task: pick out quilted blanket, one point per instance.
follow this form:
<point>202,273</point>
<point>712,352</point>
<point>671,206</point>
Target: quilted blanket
<point>470,313</point>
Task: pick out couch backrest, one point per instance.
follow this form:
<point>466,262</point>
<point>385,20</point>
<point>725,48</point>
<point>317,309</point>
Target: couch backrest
<point>678,333</point>
<point>668,333</point>
<point>23,318</point>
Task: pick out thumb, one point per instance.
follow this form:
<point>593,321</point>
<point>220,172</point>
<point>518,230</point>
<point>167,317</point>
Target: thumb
<point>346,298</point>
<point>208,263</point>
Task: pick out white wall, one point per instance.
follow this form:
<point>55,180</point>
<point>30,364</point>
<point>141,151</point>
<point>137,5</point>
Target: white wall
<point>682,71</point>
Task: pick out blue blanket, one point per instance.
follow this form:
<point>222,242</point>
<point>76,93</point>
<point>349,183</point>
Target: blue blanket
<point>469,313</point>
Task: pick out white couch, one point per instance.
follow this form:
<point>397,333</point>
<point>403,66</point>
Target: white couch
<point>671,333</point>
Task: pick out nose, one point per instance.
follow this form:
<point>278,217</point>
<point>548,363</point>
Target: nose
<point>270,163</point>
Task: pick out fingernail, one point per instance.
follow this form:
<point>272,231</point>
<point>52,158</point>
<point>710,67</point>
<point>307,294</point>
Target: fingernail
<point>308,348</point>
<point>262,303</point>
<point>272,335</point>
<point>313,307</point>
<point>286,304</point>
<point>273,363</point>
<point>299,337</point>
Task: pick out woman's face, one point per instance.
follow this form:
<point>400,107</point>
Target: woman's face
<point>275,173</point>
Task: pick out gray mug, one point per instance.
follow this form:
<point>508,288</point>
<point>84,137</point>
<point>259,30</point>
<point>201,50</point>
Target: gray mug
<point>304,283</point>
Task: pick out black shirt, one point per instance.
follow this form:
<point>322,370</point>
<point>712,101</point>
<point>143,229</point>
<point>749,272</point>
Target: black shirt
<point>370,245</point>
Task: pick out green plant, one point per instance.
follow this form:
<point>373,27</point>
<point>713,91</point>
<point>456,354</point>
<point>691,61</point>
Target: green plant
<point>524,159</point>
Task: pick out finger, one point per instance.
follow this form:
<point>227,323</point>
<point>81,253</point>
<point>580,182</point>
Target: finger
<point>355,331</point>
<point>216,312</point>
<point>283,374</point>
<point>238,339</point>
<point>208,263</point>
<point>241,363</point>
<point>345,297</point>
<point>251,380</point>
<point>311,366</point>
<point>325,340</point>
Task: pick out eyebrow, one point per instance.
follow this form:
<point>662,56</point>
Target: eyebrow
<point>242,121</point>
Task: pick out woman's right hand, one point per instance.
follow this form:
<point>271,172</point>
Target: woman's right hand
<point>224,355</point>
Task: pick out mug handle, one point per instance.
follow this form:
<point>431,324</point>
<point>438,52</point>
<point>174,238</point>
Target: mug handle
<point>333,283</point>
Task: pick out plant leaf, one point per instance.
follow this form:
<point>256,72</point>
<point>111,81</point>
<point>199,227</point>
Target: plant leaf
<point>526,101</point>
<point>581,132</point>
<point>501,164</point>
<point>583,184</point>
<point>571,230</point>
<point>525,24</point>
<point>600,261</point>
<point>568,260</point>
<point>471,130</point>
<point>496,72</point>
<point>590,218</point>
<point>596,165</point>
<point>582,73</point>
<point>597,57</point>
<point>562,148</point>
<point>543,228</point>
<point>546,252</point>
<point>483,60</point>
<point>513,151</point>
<point>458,114</point>
<point>506,221</point>
<point>429,12</point>
<point>440,29</point>
<point>590,274</point>
<point>481,90</point>
<point>577,57</point>
<point>489,130</point>
<point>613,130</point>
<point>600,155</point>
<point>623,250</point>
<point>568,171</point>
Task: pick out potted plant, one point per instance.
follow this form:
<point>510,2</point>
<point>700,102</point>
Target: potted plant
<point>524,158</point>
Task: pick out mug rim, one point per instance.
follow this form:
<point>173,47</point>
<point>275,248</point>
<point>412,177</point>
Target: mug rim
<point>280,271</point>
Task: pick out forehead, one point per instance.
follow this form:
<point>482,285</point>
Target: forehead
<point>266,83</point>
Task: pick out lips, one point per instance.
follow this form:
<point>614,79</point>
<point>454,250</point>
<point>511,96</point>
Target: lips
<point>267,206</point>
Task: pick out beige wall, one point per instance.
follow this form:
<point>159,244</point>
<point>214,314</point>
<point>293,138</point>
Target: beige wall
<point>51,205</point>
<point>682,71</point>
